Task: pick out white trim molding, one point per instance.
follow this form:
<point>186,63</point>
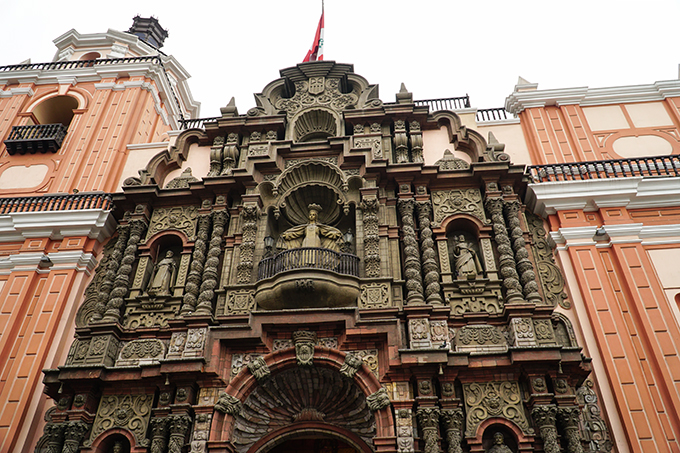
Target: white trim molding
<point>93,223</point>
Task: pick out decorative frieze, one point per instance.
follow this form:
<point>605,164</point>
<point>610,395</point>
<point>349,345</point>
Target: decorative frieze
<point>372,143</point>
<point>141,352</point>
<point>457,201</point>
<point>480,338</point>
<point>369,209</point>
<point>180,218</point>
<point>131,412</point>
<point>493,399</point>
<point>100,350</point>
<point>249,216</point>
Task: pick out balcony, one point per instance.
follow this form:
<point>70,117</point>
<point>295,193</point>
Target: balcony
<point>659,166</point>
<point>308,278</point>
<point>41,138</point>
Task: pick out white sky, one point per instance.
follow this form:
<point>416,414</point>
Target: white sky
<point>438,48</point>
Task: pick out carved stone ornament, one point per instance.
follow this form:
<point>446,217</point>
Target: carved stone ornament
<point>457,201</point>
<point>538,385</point>
<point>351,365</point>
<point>201,433</point>
<point>141,352</point>
<point>318,91</point>
<point>239,361</point>
<point>370,208</point>
<point>549,274</point>
<point>372,143</point>
<point>561,386</point>
<point>595,431</point>
<point>177,343</point>
<point>452,420</point>
<point>451,162</point>
<point>399,391</point>
<point>131,412</point>
<point>195,342</point>
<point>228,404</point>
<point>523,332</point>
<point>182,181</point>
<point>439,333</point>
<point>180,218</point>
<point>370,359</point>
<point>424,387</point>
<point>240,302</point>
<point>544,417</point>
<point>258,368</point>
<point>480,338</point>
<point>404,430</point>
<point>493,399</point>
<point>374,295</point>
<point>280,344</point>
<point>544,332</point>
<point>428,420</point>
<point>378,400</point>
<point>419,333</point>
<point>304,347</point>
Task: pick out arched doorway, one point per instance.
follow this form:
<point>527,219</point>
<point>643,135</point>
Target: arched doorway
<point>313,444</point>
<point>311,438</point>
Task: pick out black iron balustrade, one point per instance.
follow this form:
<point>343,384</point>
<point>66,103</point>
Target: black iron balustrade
<point>604,169</point>
<point>57,202</point>
<point>196,123</point>
<point>35,138</point>
<point>76,64</point>
<point>309,258</point>
<point>492,114</point>
<point>457,103</point>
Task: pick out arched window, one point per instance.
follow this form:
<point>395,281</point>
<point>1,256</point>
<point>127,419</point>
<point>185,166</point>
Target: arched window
<point>58,109</point>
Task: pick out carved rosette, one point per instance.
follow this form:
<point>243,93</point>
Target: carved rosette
<point>428,420</point>
<point>110,273</point>
<point>178,425</point>
<point>544,417</point>
<point>249,216</point>
<point>228,404</point>
<point>210,275</point>
<point>513,288</point>
<point>351,365</point>
<point>429,255</point>
<point>258,368</point>
<point>121,284</point>
<point>493,399</point>
<point>369,208</point>
<point>569,421</point>
<point>412,268</point>
<point>159,434</point>
<point>452,420</point>
<point>194,278</point>
<point>378,400</point>
<point>524,266</point>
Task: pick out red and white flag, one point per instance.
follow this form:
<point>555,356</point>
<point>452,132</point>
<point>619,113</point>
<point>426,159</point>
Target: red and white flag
<point>316,51</point>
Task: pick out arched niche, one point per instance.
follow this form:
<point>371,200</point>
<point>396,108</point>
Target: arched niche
<point>111,440</point>
<point>171,159</point>
<point>471,230</point>
<point>564,331</point>
<point>55,110</point>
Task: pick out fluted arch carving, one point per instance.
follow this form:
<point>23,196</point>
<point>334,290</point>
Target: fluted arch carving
<point>464,139</point>
<point>171,159</point>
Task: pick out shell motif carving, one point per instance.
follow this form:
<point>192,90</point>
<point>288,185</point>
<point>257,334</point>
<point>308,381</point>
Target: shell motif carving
<point>315,124</point>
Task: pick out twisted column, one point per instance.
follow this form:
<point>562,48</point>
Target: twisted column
<point>369,208</point>
<point>159,434</point>
<point>196,269</point>
<point>210,275</point>
<point>178,426</point>
<point>73,435</point>
<point>428,419</point>
<point>414,282</point>
<point>544,417</point>
<point>569,422</point>
<point>121,284</point>
<point>513,289</point>
<point>429,256</point>
<point>453,427</point>
<point>524,266</point>
<point>111,270</point>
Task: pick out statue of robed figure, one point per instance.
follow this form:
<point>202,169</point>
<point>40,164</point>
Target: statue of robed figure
<point>313,234</point>
<point>164,276</point>
<point>467,262</point>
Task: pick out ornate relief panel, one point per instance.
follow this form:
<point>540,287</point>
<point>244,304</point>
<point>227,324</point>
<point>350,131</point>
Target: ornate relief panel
<point>549,274</point>
<point>141,352</point>
<point>457,201</point>
<point>181,218</point>
<point>374,295</point>
<point>131,412</point>
<point>494,399</point>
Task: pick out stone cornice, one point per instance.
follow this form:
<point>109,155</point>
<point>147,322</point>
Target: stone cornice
<point>584,96</point>
<point>632,193</point>
<point>93,223</point>
<point>617,234</point>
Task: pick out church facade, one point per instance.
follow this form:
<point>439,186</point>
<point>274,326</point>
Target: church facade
<point>330,272</point>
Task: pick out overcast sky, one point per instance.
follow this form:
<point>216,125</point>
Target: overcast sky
<point>438,48</point>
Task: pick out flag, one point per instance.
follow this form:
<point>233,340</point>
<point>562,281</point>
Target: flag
<point>316,51</point>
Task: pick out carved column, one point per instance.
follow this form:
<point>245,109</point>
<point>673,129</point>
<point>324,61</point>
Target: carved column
<point>178,426</point>
<point>414,282</point>
<point>416,142</point>
<point>196,270</point>
<point>453,427</point>
<point>524,266</point>
<point>111,271</point>
<point>210,274</point>
<point>506,258</point>
<point>121,284</point>
<point>430,267</point>
<point>569,422</point>
<point>544,417</point>
<point>230,154</point>
<point>401,141</point>
<point>249,217</point>
<point>73,436</point>
<point>53,438</point>
<point>428,419</point>
<point>216,156</point>
<point>159,434</point>
<point>369,208</point>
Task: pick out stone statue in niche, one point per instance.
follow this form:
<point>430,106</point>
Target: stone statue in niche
<point>164,274</point>
<point>313,234</point>
<point>499,444</point>
<point>466,261</point>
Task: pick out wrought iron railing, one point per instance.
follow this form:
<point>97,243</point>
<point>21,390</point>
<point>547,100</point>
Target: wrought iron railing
<point>35,138</point>
<point>197,123</point>
<point>309,258</point>
<point>57,202</point>
<point>493,114</point>
<point>603,169</point>
<point>461,102</point>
